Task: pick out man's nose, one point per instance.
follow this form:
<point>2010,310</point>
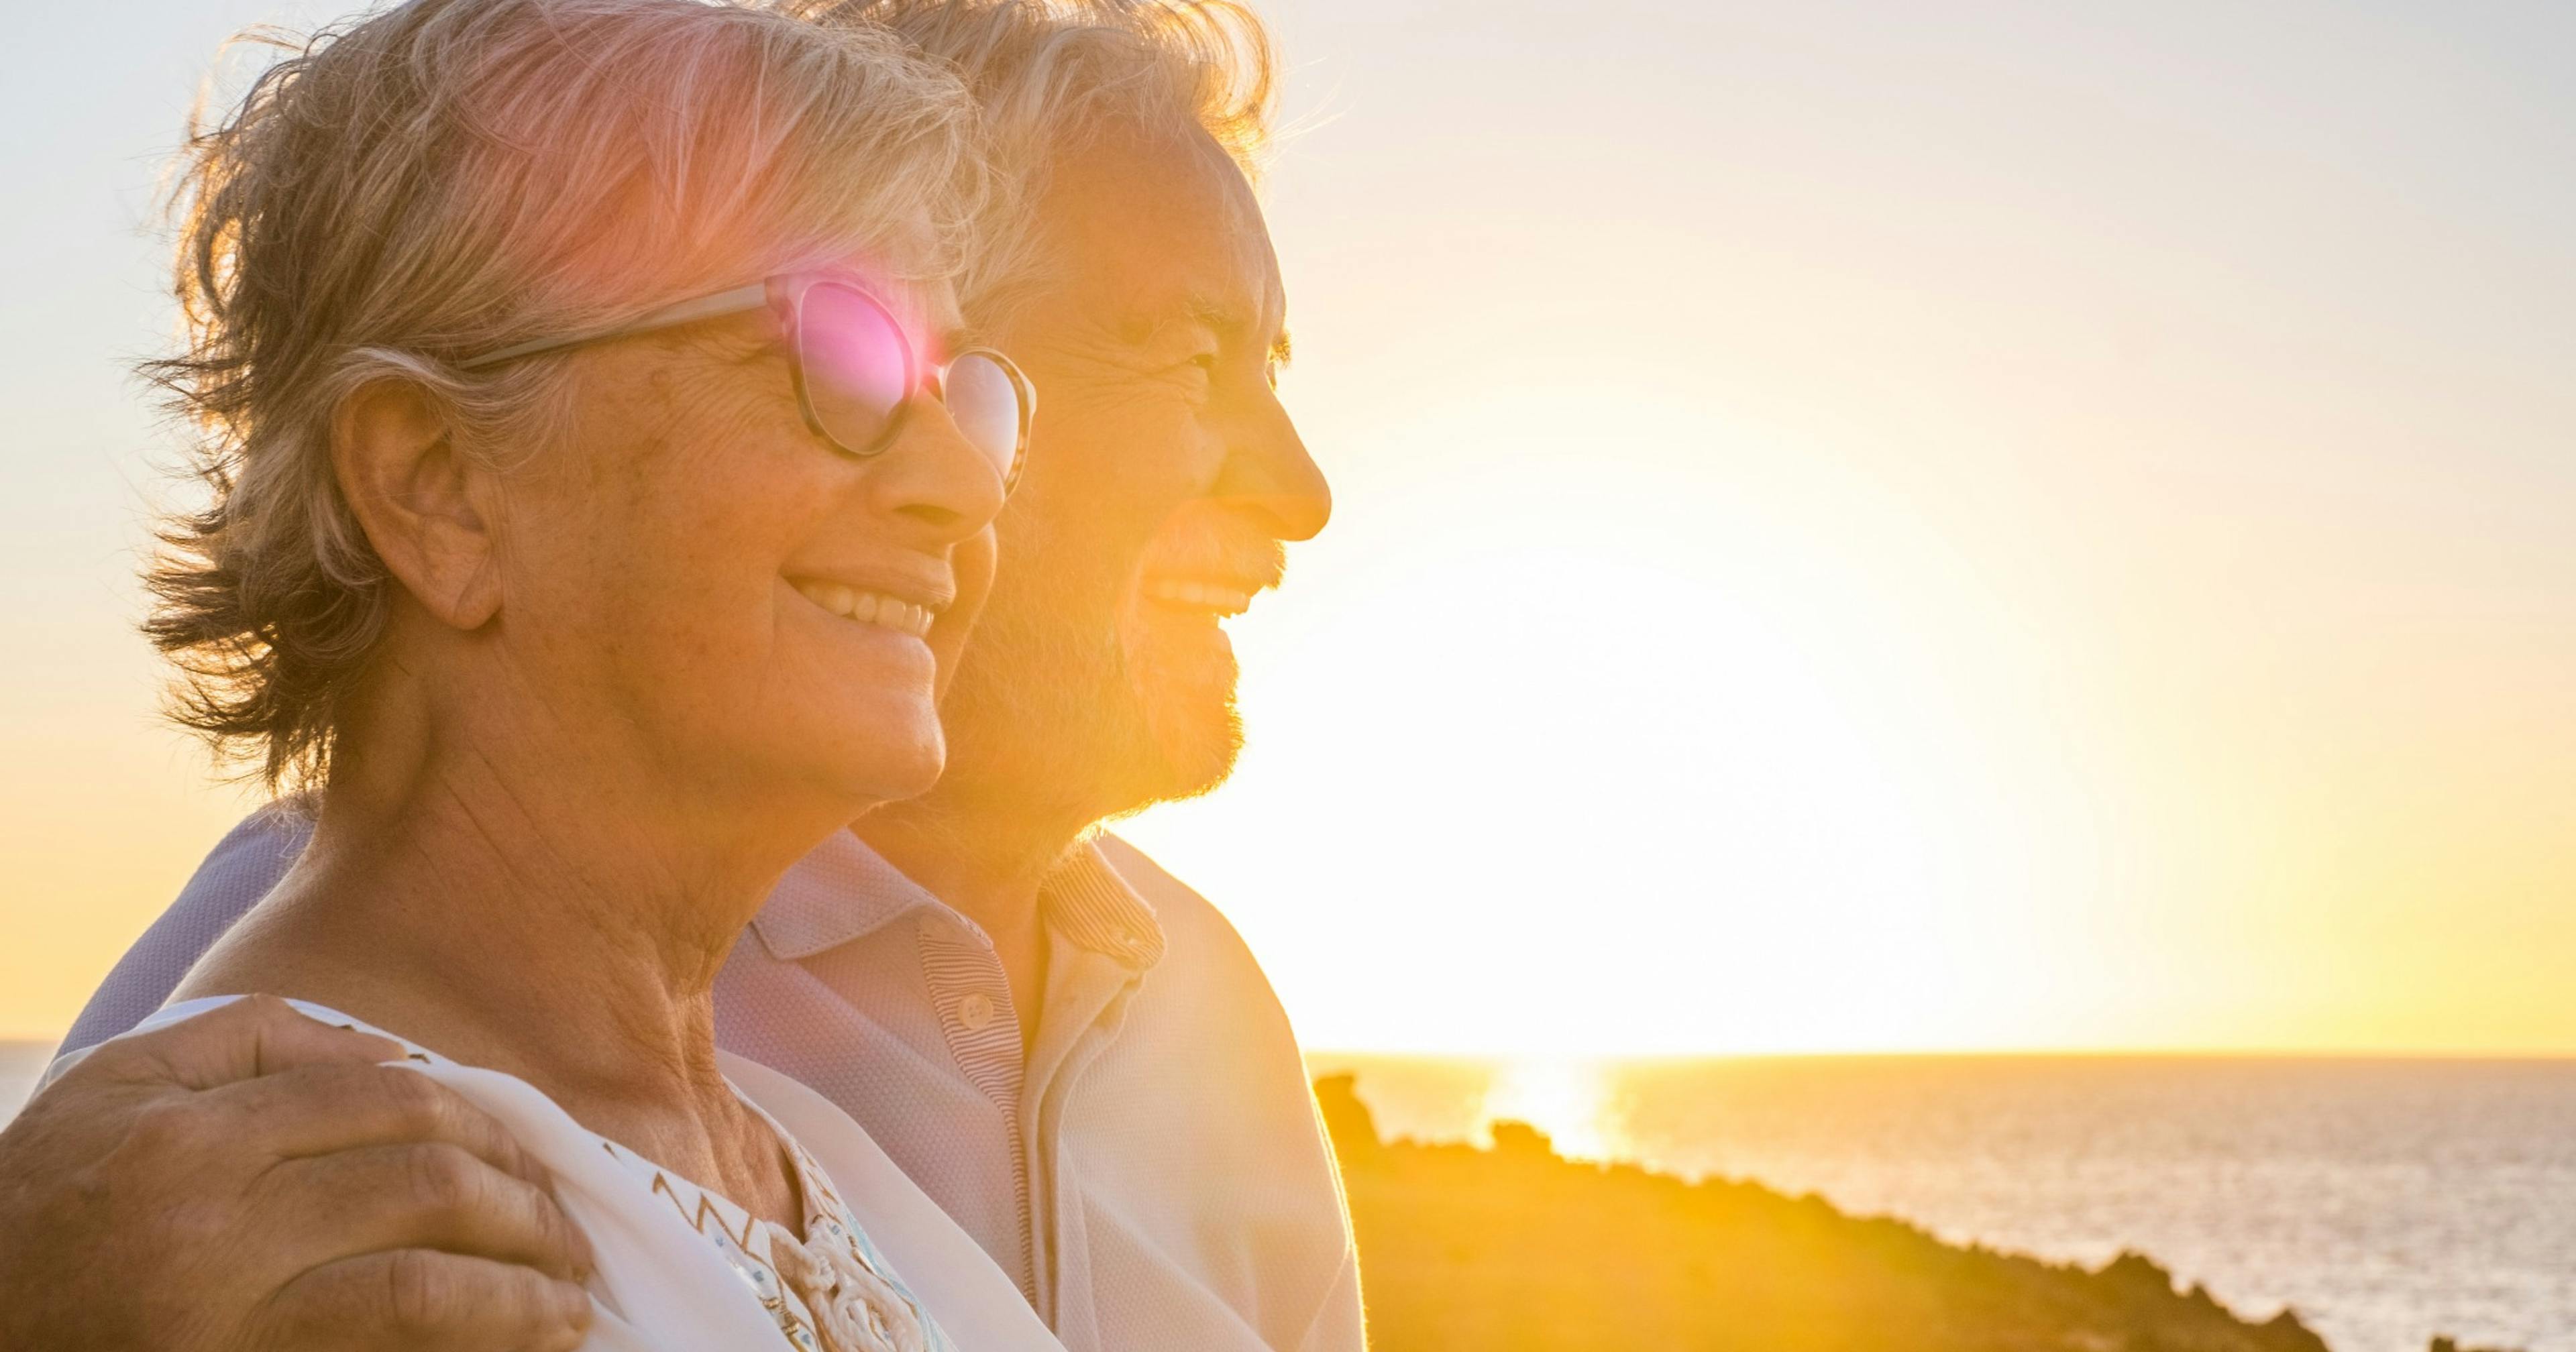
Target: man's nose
<point>1269,474</point>
<point>933,481</point>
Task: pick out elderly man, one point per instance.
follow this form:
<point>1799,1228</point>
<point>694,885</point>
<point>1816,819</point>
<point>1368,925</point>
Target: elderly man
<point>1067,1048</point>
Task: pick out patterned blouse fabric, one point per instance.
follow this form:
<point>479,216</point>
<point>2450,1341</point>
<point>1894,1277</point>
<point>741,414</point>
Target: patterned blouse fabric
<point>828,1290</point>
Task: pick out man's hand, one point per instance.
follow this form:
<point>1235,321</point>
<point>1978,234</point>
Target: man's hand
<point>252,1179</point>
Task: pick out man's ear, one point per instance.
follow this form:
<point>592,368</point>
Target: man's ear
<point>426,508</point>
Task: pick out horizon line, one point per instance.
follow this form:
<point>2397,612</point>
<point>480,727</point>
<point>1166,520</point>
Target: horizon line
<point>2149,1053</point>
<point>2115,1053</point>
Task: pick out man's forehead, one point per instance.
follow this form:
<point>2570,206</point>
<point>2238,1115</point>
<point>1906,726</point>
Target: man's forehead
<point>1159,230</point>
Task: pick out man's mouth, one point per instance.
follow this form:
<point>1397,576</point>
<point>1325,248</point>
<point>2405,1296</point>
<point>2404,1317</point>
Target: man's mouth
<point>1209,597</point>
<point>868,607</point>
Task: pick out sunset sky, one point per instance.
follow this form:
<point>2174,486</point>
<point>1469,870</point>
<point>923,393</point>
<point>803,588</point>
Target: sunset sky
<point>1861,526</point>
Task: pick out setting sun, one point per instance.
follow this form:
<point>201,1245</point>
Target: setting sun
<point>1921,700</point>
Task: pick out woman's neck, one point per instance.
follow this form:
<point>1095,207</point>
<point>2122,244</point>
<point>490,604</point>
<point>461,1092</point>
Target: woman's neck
<point>549,925</point>
<point>537,894</point>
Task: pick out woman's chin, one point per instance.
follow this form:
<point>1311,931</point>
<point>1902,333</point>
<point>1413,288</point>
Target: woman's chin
<point>895,757</point>
<point>821,747</point>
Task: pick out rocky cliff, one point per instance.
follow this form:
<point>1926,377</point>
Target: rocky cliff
<point>1515,1250</point>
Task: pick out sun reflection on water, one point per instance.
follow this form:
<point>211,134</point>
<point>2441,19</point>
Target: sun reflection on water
<point>1569,1100</point>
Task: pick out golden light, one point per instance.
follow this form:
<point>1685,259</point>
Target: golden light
<point>1666,767</point>
<point>1567,1100</point>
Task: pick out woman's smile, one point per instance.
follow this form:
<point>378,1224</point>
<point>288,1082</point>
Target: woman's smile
<point>868,607</point>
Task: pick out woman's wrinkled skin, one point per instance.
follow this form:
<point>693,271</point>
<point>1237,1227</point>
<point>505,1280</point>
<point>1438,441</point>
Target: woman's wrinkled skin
<point>604,719</point>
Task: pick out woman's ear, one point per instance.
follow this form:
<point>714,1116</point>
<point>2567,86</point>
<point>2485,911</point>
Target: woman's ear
<point>422,504</point>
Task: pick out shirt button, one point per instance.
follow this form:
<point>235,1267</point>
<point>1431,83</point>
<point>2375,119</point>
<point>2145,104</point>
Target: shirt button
<point>975,1011</point>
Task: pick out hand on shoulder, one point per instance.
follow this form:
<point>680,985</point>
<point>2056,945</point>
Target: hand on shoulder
<point>251,1178</point>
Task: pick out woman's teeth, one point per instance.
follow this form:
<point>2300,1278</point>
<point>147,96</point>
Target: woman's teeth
<point>869,607</point>
<point>1201,596</point>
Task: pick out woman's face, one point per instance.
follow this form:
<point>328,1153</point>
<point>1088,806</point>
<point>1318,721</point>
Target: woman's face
<point>705,584</point>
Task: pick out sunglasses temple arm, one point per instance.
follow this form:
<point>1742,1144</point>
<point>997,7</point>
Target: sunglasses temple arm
<point>721,303</point>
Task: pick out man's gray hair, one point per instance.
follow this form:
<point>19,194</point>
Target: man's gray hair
<point>446,177</point>
<point>1052,74</point>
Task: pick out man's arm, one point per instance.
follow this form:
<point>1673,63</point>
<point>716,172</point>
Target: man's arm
<point>1268,1150</point>
<point>240,870</point>
<point>253,1179</point>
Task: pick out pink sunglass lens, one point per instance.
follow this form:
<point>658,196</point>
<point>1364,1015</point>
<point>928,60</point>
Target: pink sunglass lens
<point>858,365</point>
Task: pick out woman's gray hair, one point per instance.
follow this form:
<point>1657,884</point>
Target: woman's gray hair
<point>1052,74</point>
<point>445,177</point>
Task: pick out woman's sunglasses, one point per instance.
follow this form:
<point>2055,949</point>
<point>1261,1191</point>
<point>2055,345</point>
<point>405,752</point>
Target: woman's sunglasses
<point>854,368</point>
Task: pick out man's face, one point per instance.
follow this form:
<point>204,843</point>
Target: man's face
<point>1163,477</point>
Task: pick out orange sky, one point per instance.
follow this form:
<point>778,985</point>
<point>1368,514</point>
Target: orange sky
<point>1855,532</point>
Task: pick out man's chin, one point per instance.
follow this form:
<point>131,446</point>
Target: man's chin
<point>1198,760</point>
<point>1197,734</point>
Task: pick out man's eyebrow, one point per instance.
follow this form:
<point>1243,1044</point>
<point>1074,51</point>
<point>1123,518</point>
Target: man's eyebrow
<point>1227,320</point>
<point>1231,324</point>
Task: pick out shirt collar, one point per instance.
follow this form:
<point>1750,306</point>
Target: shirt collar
<point>840,892</point>
<point>1087,900</point>
<point>844,891</point>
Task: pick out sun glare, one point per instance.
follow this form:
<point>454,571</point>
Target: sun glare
<point>1568,1100</point>
<point>1684,771</point>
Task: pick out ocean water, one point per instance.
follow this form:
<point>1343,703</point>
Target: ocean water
<point>2384,1200</point>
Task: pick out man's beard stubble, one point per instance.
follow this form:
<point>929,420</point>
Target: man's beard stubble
<point>1065,705</point>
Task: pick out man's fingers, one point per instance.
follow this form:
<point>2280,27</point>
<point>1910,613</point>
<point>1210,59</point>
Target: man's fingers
<point>384,1157</point>
<point>427,1196</point>
<point>429,1226</point>
<point>319,1109</point>
<point>251,1037</point>
<point>421,1300</point>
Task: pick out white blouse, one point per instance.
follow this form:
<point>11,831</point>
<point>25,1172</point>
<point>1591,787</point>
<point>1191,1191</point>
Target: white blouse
<point>682,1269</point>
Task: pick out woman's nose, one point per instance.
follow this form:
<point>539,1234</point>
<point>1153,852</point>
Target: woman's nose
<point>934,479</point>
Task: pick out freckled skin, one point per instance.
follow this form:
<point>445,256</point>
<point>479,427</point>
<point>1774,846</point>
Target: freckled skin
<point>656,585</point>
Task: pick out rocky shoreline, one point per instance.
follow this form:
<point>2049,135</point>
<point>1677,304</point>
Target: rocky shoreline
<point>1514,1249</point>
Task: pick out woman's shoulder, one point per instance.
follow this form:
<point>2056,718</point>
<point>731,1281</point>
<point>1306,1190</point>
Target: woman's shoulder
<point>180,1011</point>
<point>675,1264</point>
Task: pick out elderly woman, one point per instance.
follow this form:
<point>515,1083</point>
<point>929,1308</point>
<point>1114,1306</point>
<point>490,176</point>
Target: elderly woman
<point>598,481</point>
